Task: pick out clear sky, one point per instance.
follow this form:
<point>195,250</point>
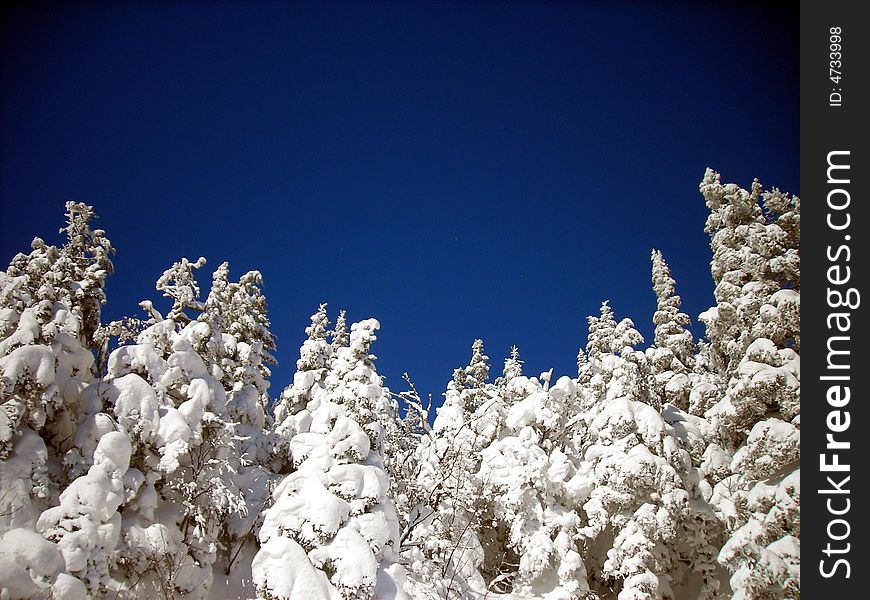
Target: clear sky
<point>455,169</point>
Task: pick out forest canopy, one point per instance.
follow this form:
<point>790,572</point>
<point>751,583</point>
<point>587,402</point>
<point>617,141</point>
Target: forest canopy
<point>147,457</point>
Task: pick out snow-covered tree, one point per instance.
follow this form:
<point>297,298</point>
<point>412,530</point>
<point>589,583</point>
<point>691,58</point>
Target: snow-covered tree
<point>637,476</point>
<point>612,367</point>
<point>477,371</point>
<point>311,367</point>
<point>192,398</point>
<point>441,540</point>
<point>243,342</point>
<point>50,305</point>
<point>755,238</point>
<point>332,531</point>
<point>49,310</point>
<point>513,368</point>
<point>178,283</point>
<point>754,333</point>
<point>530,529</point>
<point>400,454</point>
<point>241,331</point>
<point>672,356</point>
<point>340,335</point>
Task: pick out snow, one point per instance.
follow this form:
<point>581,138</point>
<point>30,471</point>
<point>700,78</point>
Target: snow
<point>391,582</point>
<point>86,524</point>
<point>28,363</point>
<point>31,566</point>
<point>511,458</point>
<point>138,358</point>
<point>73,360</point>
<point>185,359</point>
<point>771,444</point>
<point>527,411</point>
<point>23,478</point>
<point>623,416</point>
<point>239,584</point>
<point>281,568</point>
<point>203,395</point>
<point>788,548</point>
<point>26,332</point>
<point>67,587</point>
<point>31,551</point>
<point>192,576</point>
<point>350,558</point>
<point>348,441</point>
<point>350,481</point>
<point>305,509</point>
<point>375,526</point>
<point>114,450</point>
<point>134,404</point>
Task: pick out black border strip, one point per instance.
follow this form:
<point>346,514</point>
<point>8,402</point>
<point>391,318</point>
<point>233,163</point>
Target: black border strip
<point>831,121</point>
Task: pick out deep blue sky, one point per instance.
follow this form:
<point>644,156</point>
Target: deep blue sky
<point>457,170</point>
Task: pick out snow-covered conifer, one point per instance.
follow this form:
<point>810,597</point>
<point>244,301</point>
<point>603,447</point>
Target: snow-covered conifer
<point>332,531</point>
<point>340,335</point>
<point>754,333</point>
<point>601,330</point>
<point>755,240</point>
<point>530,526</point>
<point>49,311</point>
<point>614,368</point>
<point>193,405</point>
<point>242,342</point>
<point>315,350</point>
<point>314,356</point>
<point>87,252</point>
<point>513,367</point>
<point>636,478</point>
<point>442,532</point>
<point>672,355</point>
<point>478,369</point>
